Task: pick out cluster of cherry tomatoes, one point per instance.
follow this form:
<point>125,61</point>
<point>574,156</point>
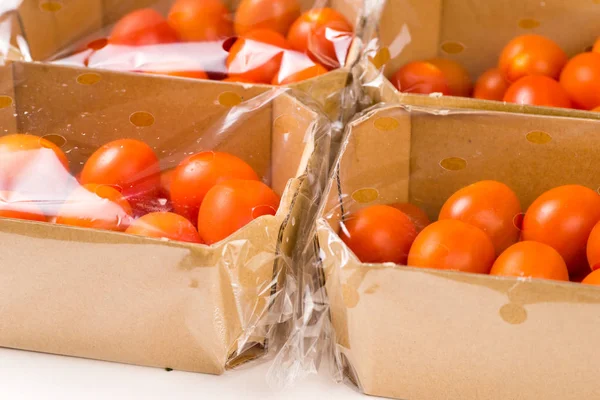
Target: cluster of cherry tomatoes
<point>266,41</point>
<point>481,229</point>
<point>206,198</point>
<point>532,70</point>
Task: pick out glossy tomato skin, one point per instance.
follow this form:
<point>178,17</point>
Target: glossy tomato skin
<point>531,260</point>
<point>231,205</point>
<point>197,174</point>
<point>581,80</point>
<point>529,55</point>
<point>165,225</point>
<point>596,47</point>
<point>418,217</point>
<point>420,77</point>
<point>299,76</point>
<point>490,206</point>
<point>130,165</point>
<point>563,218</point>
<point>457,77</point>
<point>256,56</point>
<point>324,34</point>
<point>538,91</point>
<point>201,20</point>
<point>593,248</point>
<point>141,28</point>
<point>491,85</point>
<point>96,206</point>
<point>592,279</point>
<point>379,234</point>
<point>13,206</point>
<point>452,245</point>
<point>277,15</point>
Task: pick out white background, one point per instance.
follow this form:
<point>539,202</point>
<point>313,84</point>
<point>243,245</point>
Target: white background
<point>26,375</point>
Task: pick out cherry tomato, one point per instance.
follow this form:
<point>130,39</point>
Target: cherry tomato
<point>277,15</point>
<point>457,77</point>
<point>379,234</point>
<point>256,56</point>
<point>563,218</point>
<point>452,245</point>
<point>197,174</point>
<point>96,206</point>
<point>299,76</point>
<point>531,260</point>
<point>491,85</point>
<point>592,279</point>
<point>538,91</point>
<point>593,248</point>
<point>181,74</point>
<point>201,20</point>
<point>233,204</point>
<point>324,34</point>
<point>165,225</point>
<point>532,55</point>
<point>416,215</point>
<point>166,177</point>
<point>128,164</point>
<point>142,27</point>
<point>13,206</point>
<point>421,77</point>
<point>581,80</point>
<point>490,206</point>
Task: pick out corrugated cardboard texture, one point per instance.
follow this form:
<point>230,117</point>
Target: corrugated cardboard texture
<point>122,298</point>
<point>421,334</point>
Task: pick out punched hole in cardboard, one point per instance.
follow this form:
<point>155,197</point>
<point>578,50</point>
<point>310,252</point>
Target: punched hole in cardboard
<point>513,314</point>
<point>386,124</point>
<point>88,79</point>
<point>365,195</point>
<point>381,58</point>
<point>229,99</point>
<point>5,101</point>
<point>529,23</point>
<point>450,47</point>
<point>141,119</point>
<point>538,137</point>
<point>453,164</point>
<point>57,140</point>
<point>51,6</point>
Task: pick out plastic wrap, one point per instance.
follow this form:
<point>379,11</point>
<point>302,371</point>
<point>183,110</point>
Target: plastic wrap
<point>89,270</point>
<point>13,45</point>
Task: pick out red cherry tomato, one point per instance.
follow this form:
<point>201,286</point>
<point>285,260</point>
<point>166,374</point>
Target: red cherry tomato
<point>233,204</point>
<point>379,234</point>
<point>581,80</point>
<point>277,15</point>
<point>416,215</point>
<point>283,78</point>
<point>457,77</point>
<point>166,177</point>
<point>490,206</point>
<point>421,77</point>
<point>593,248</point>
<point>13,206</point>
<point>538,91</point>
<point>201,20</point>
<point>324,34</point>
<point>563,218</point>
<point>256,56</point>
<point>532,55</point>
<point>491,85</point>
<point>142,27</point>
<point>96,206</point>
<point>165,225</point>
<point>128,164</point>
<point>197,174</point>
<point>592,279</point>
<point>531,260</point>
<point>452,245</point>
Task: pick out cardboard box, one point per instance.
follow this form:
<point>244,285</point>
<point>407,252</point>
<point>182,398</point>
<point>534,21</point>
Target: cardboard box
<point>417,334</point>
<point>117,297</point>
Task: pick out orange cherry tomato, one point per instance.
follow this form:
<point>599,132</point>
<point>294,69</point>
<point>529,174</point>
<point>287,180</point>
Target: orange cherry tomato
<point>531,260</point>
<point>181,74</point>
<point>452,245</point>
<point>538,91</point>
<point>491,85</point>
<point>596,48</point>
<point>96,206</point>
<point>592,279</point>
<point>165,225</point>
<point>379,234</point>
<point>299,76</point>
<point>581,80</point>
<point>233,204</point>
<point>416,215</point>
<point>593,248</point>
<point>201,20</point>
<point>324,34</point>
<point>142,27</point>
<point>532,55</point>
<point>490,206</point>
<point>13,206</point>
<point>277,15</point>
<point>563,218</point>
<point>166,177</point>
<point>128,164</point>
<point>421,77</point>
<point>256,56</point>
<point>197,174</point>
<point>457,77</point>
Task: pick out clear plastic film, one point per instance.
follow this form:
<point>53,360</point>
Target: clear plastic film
<point>147,220</point>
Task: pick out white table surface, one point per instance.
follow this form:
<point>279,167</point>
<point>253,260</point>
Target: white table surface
<point>26,375</point>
